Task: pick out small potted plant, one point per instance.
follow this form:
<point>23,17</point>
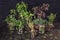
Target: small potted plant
<point>19,25</point>
<point>10,19</point>
<point>16,22</point>
<point>51,19</point>
<point>26,15</point>
<point>40,25</point>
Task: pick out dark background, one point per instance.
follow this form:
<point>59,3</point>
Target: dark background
<point>6,5</point>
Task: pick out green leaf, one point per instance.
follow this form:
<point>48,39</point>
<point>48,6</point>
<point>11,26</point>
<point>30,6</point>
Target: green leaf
<point>51,17</point>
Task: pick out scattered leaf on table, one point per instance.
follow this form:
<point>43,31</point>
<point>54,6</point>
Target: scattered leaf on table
<point>55,37</point>
<point>50,34</point>
<point>26,39</point>
<point>59,32</point>
<point>51,37</point>
<point>44,36</point>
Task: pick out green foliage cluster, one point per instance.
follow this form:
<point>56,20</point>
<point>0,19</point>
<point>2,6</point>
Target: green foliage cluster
<point>11,19</point>
<point>39,21</point>
<point>22,10</point>
<point>51,17</point>
<point>21,7</point>
<point>25,17</point>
